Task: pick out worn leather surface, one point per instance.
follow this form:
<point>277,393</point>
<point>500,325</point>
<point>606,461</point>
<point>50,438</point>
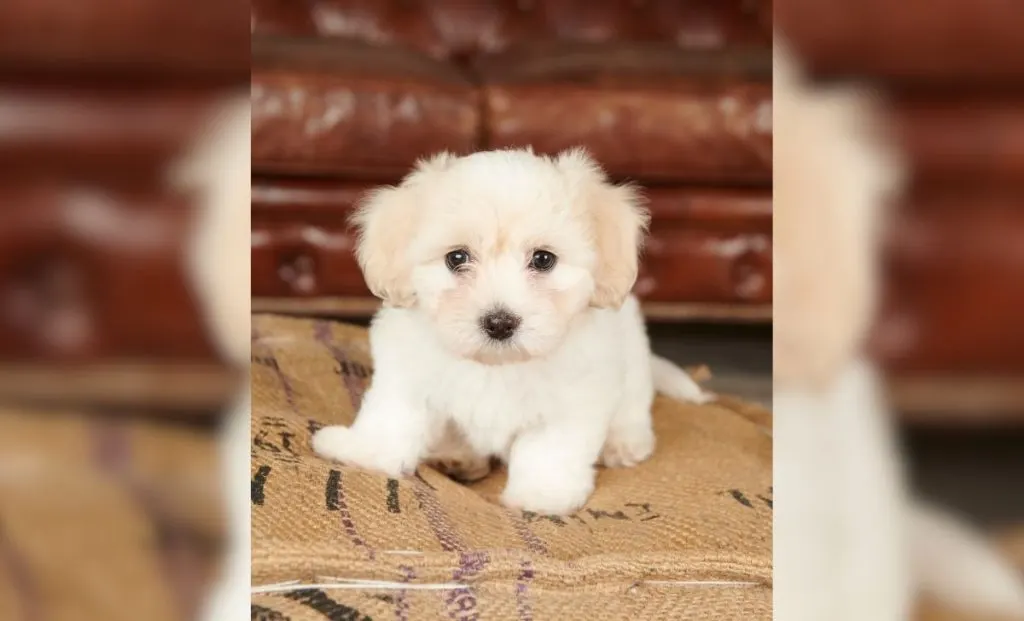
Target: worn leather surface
<point>953,298</point>
<point>708,246</point>
<point>301,242</point>
<point>193,39</point>
<point>965,138</point>
<point>458,29</point>
<point>705,246</point>
<point>646,112</point>
<point>95,272</point>
<point>915,40</point>
<point>341,108</point>
<point>109,130</point>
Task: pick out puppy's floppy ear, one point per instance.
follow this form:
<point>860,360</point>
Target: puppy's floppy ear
<point>619,220</point>
<point>386,220</point>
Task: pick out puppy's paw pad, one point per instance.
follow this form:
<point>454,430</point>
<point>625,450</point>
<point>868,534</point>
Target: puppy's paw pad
<point>626,450</point>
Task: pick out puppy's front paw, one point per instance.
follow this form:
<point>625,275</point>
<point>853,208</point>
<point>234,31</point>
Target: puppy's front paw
<point>555,494</point>
<point>344,445</point>
<point>337,443</point>
<point>625,448</point>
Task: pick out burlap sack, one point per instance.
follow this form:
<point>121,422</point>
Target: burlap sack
<point>105,517</point>
<point>686,535</point>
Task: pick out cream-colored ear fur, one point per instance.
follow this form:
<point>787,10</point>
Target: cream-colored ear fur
<point>386,222</point>
<point>619,219</point>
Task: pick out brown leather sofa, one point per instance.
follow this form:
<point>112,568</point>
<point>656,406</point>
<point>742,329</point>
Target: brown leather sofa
<point>673,95</point>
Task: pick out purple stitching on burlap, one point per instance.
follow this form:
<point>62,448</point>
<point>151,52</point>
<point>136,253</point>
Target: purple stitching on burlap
<point>286,382</point>
<point>522,600</point>
<point>112,453</point>
<point>436,517</point>
<point>347,522</point>
<point>401,605</point>
<point>470,564</point>
<point>531,540</point>
<point>322,330</point>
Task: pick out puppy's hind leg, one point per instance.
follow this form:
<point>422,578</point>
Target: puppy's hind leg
<point>630,438</point>
<point>630,432</point>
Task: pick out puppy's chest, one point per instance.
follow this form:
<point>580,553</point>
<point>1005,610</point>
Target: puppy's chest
<point>494,402</point>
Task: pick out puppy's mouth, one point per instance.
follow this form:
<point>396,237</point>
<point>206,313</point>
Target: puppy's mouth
<point>496,352</point>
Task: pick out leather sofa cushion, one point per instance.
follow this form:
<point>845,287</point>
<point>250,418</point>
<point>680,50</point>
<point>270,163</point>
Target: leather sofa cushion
<point>459,29</point>
<point>651,113</point>
<point>951,302</point>
<point>184,38</point>
<point>95,272</point>
<point>332,107</point>
<point>920,41</point>
<point>109,131</point>
<point>707,245</point>
<point>969,139</point>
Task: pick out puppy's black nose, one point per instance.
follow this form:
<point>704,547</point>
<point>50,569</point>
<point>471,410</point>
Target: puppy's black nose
<point>500,325</point>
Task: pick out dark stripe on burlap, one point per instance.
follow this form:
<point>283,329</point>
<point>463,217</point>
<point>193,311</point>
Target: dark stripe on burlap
<point>318,601</point>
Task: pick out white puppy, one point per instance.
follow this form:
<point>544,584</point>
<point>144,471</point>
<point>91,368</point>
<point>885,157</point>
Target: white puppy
<point>508,329</point>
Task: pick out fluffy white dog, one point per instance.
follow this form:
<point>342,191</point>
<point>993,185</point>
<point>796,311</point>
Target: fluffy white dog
<point>508,328</point>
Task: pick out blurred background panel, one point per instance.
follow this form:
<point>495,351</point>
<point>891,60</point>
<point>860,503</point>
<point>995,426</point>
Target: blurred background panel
<point>940,42</point>
<point>950,332</point>
<point>146,40</point>
<point>953,74</point>
<point>110,383</point>
<point>97,100</point>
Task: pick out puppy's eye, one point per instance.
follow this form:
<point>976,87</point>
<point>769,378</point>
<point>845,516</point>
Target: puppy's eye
<point>456,259</point>
<point>543,261</point>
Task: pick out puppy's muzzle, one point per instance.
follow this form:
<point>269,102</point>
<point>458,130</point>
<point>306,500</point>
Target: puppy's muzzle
<point>500,324</point>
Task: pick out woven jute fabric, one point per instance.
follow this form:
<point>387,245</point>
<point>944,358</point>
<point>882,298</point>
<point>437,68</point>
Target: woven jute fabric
<point>104,517</point>
<point>685,535</point>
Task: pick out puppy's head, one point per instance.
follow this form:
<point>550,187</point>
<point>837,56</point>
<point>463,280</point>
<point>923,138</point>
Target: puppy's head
<point>502,250</point>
